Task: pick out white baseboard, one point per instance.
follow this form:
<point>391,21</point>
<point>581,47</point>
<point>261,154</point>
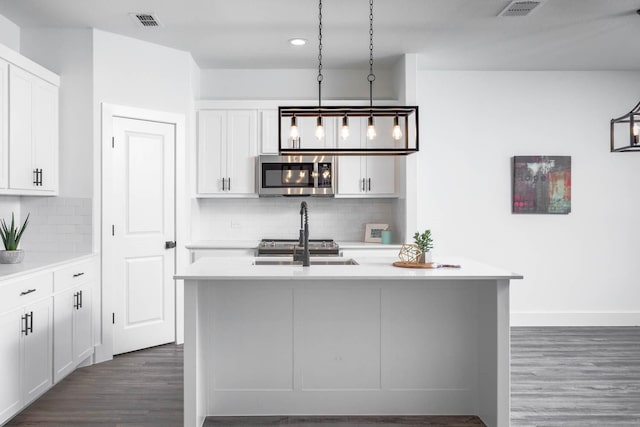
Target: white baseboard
<point>576,319</point>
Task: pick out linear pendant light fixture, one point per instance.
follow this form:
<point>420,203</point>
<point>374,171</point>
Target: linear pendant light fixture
<point>363,130</point>
<point>627,129</point>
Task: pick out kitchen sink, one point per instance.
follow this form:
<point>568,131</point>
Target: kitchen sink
<point>341,261</point>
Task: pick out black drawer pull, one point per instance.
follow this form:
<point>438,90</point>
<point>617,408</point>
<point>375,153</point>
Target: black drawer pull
<point>27,292</point>
<point>78,274</point>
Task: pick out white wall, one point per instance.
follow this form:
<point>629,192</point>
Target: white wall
<point>9,34</point>
<point>579,269</point>
<point>294,84</point>
<point>69,53</point>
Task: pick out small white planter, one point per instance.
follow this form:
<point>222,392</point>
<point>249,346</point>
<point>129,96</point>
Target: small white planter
<point>11,257</point>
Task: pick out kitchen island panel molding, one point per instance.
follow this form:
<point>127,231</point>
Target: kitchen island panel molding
<point>422,344</point>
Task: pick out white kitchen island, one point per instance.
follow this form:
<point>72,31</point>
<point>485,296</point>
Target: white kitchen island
<point>345,340</point>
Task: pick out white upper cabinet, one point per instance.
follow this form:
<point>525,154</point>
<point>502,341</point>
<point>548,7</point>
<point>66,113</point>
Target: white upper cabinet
<point>33,134</point>
<point>366,176</point>
<point>227,150</point>
<point>268,131</point>
<point>4,124</point>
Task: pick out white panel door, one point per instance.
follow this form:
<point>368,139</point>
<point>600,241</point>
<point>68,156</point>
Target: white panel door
<point>21,170</point>
<point>212,151</point>
<point>4,124</point>
<point>45,133</point>
<point>38,350</point>
<point>10,361</point>
<point>143,219</point>
<point>63,360</point>
<point>241,151</point>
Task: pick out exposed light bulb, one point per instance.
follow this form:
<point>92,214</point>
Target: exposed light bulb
<point>636,131</point>
<point>294,133</point>
<point>320,129</point>
<point>345,128</point>
<point>397,132</point>
<point>371,128</point>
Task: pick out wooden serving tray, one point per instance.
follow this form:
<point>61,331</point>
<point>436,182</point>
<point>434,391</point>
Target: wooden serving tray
<point>405,264</point>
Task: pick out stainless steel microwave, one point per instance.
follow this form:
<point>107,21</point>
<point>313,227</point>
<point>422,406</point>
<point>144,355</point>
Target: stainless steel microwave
<point>295,176</point>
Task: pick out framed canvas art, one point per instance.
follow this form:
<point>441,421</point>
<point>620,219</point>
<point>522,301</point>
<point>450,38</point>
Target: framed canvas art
<point>541,185</point>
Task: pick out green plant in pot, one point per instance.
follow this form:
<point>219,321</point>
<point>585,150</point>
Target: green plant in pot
<point>11,238</point>
<point>425,243</point>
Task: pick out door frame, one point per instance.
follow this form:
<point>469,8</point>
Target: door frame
<point>103,329</point>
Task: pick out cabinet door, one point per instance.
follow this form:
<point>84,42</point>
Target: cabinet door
<point>21,169</point>
<point>380,170</point>
<point>4,124</point>
<point>38,350</point>
<point>82,333</point>
<point>10,363</point>
<point>63,353</point>
<point>212,150</point>
<point>268,131</point>
<point>45,133</point>
<point>350,168</point>
<point>241,151</point>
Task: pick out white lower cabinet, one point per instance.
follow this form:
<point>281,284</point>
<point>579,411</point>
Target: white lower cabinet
<point>26,349</point>
<point>45,331</point>
<point>73,335</point>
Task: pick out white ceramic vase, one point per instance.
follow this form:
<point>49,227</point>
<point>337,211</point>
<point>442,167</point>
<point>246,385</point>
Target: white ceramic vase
<point>11,257</point>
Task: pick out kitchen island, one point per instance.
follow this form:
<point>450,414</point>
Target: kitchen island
<point>345,339</point>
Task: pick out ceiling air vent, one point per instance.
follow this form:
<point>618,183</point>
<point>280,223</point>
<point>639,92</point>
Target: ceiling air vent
<point>145,20</point>
<point>520,7</point>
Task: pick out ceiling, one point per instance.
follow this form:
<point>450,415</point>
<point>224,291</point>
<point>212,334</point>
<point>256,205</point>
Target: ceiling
<point>449,34</point>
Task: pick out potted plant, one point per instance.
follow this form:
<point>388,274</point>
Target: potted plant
<point>11,238</point>
<point>425,243</point>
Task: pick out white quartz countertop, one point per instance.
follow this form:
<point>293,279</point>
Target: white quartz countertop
<point>242,268</point>
<point>252,244</point>
<point>36,261</point>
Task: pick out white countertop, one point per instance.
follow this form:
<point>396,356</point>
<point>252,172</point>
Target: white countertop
<point>36,261</point>
<point>253,244</point>
<point>242,268</point>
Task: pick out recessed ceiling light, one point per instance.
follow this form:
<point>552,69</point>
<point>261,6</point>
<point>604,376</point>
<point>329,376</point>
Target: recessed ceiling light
<point>298,42</point>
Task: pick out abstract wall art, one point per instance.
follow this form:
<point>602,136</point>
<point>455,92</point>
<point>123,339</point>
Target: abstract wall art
<point>541,184</point>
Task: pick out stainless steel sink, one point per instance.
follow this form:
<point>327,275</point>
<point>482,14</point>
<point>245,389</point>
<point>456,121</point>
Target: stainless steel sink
<point>348,261</point>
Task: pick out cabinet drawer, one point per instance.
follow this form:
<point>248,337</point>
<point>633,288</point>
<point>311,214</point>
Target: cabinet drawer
<point>75,274</point>
<point>24,291</point>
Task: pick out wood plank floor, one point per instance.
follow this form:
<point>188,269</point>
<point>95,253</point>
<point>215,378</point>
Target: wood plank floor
<point>562,377</point>
<point>575,377</point>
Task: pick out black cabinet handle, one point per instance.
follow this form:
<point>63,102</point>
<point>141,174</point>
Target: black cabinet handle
<point>35,177</point>
<point>229,184</point>
<point>30,322</point>
<point>40,178</point>
<point>369,184</point>
<point>25,329</point>
<point>80,300</point>
<point>169,244</point>
<point>223,180</point>
<point>78,274</point>
<point>27,292</point>
<point>363,188</point>
<point>75,301</point>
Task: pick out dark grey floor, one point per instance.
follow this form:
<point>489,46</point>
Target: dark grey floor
<point>562,377</point>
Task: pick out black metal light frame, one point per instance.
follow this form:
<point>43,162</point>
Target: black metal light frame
<point>633,119</point>
<point>410,113</point>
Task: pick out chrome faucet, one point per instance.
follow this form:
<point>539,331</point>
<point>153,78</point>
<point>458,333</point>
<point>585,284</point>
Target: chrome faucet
<point>303,240</point>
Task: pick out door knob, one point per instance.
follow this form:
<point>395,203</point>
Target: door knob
<point>169,245</point>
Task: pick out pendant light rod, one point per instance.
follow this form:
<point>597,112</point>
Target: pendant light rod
<point>320,77</point>
<point>371,77</point>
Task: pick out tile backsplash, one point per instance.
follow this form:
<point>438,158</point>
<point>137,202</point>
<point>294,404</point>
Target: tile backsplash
<point>279,217</point>
<point>57,224</point>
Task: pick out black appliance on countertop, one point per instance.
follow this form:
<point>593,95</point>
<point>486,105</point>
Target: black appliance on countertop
<point>285,247</point>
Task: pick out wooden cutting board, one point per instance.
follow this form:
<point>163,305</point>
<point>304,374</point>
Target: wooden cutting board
<point>405,264</point>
